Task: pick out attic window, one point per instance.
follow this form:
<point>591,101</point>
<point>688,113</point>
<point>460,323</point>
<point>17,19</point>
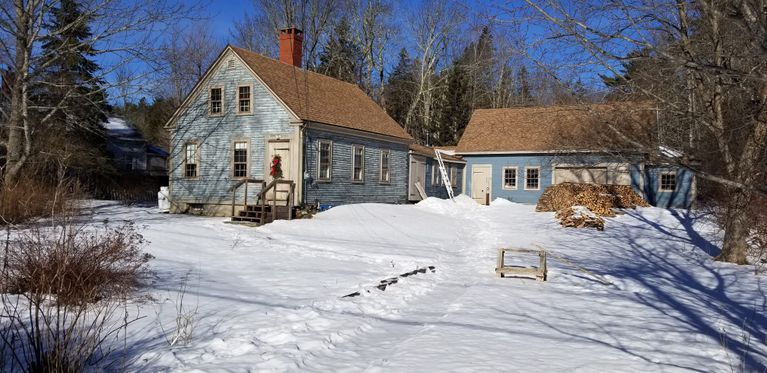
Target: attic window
<point>216,101</point>
<point>243,99</point>
<point>230,64</point>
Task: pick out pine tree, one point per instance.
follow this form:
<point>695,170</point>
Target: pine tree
<point>341,57</point>
<point>477,62</point>
<point>69,90</point>
<point>454,107</point>
<point>523,92</point>
<point>399,92</point>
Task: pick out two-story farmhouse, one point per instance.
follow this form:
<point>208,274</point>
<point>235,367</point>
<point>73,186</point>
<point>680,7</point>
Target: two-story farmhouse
<point>516,153</point>
<point>252,120</point>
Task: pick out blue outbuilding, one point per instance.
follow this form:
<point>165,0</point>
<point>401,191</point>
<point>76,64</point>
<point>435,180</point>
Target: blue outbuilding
<point>515,153</point>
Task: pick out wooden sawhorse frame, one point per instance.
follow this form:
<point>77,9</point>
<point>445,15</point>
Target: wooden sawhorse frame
<point>540,273</point>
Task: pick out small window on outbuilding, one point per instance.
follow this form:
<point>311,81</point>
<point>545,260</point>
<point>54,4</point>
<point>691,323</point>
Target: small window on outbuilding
<point>509,178</point>
<point>668,182</point>
<point>216,101</point>
<point>532,178</point>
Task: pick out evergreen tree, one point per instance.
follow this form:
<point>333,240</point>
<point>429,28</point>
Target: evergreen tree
<point>399,92</point>
<point>454,107</point>
<point>341,57</point>
<point>69,90</point>
<point>523,94</point>
<point>477,63</point>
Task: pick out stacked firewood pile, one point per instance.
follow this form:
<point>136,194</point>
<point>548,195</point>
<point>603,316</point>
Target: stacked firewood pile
<point>601,200</point>
<point>579,217</point>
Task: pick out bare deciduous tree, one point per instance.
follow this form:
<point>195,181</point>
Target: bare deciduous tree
<point>121,31</point>
<point>704,69</point>
<point>434,25</point>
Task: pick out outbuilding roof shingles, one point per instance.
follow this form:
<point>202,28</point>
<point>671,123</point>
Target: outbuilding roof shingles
<point>556,128</point>
<point>318,98</point>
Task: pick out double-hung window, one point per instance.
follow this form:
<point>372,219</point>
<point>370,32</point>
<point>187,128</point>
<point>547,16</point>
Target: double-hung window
<point>240,160</point>
<point>324,160</point>
<point>532,178</point>
<point>668,182</point>
<point>453,172</point>
<point>190,160</point>
<point>510,178</point>
<point>216,101</point>
<point>358,163</point>
<point>243,99</point>
<point>385,176</point>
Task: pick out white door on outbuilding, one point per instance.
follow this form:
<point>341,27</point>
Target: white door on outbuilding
<point>481,181</point>
<point>417,175</point>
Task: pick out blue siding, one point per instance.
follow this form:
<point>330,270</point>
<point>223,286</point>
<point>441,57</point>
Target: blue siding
<point>646,182</point>
<point>681,197</point>
<point>215,135</point>
<point>439,191</point>
<point>340,189</point>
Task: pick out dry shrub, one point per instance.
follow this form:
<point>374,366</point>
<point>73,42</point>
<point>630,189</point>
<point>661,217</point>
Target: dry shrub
<point>75,263</point>
<point>28,198</point>
<point>65,291</point>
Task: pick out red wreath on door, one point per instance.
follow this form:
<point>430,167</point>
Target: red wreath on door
<point>276,167</point>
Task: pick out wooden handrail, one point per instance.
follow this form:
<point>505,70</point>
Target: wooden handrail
<point>243,181</point>
<point>261,196</point>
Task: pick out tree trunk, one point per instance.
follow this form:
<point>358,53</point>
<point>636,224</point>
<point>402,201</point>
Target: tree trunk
<point>736,229</point>
<point>18,146</point>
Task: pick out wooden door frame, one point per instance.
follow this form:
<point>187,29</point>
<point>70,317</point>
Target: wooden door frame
<point>489,167</point>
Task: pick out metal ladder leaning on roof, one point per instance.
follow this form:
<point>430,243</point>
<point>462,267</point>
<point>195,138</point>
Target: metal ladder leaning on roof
<point>444,174</point>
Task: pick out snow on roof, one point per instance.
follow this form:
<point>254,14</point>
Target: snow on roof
<point>668,152</point>
<point>118,127</point>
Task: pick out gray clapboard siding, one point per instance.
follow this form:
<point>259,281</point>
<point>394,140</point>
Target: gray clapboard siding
<point>215,135</point>
<point>439,191</point>
<point>341,189</point>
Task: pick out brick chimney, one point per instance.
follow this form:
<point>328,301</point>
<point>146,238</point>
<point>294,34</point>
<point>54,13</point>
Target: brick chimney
<point>291,41</point>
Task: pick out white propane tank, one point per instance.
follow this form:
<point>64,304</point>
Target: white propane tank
<point>163,203</point>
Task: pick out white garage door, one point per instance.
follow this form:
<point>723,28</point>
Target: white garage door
<point>583,175</point>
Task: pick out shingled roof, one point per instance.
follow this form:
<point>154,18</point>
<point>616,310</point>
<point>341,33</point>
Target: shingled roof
<point>318,98</point>
<point>557,128</point>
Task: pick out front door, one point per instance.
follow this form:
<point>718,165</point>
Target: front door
<point>481,180</point>
<point>417,175</point>
<point>281,149</point>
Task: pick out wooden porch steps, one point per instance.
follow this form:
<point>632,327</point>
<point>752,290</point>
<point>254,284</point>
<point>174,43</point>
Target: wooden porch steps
<point>258,214</point>
<point>267,208</point>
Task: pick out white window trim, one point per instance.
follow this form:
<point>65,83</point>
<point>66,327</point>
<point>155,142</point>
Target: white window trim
<point>319,161</point>
<point>516,177</point>
<point>362,166</point>
<point>196,159</point>
<point>388,167</point>
<point>660,181</point>
<point>539,177</point>
<point>247,158</point>
<point>453,174</point>
<point>250,105</point>
<point>210,102</point>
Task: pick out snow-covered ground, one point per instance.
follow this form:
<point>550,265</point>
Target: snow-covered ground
<point>270,298</point>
